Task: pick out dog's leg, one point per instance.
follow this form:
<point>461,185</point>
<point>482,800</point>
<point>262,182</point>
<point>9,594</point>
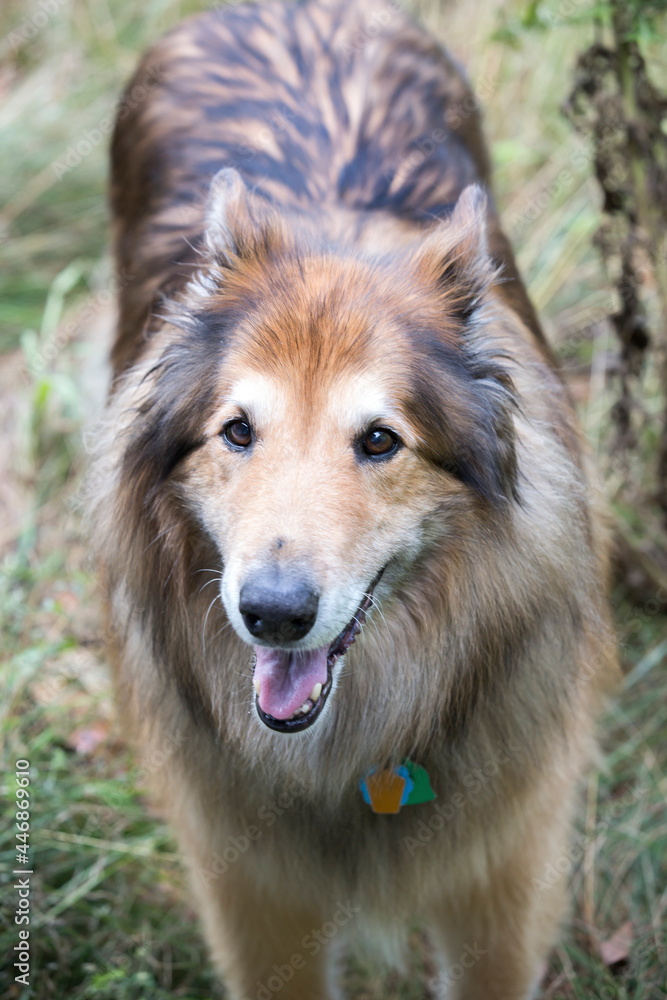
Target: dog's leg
<point>261,944</point>
<point>497,935</point>
<point>497,956</point>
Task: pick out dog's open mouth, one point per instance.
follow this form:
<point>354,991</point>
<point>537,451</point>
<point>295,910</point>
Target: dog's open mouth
<point>292,686</point>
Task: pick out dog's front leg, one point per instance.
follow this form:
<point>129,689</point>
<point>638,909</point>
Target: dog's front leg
<point>498,925</point>
<point>263,945</point>
<point>495,948</point>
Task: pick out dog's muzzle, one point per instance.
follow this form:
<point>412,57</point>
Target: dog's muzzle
<point>292,686</point>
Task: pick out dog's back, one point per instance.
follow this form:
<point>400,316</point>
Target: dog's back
<point>326,109</point>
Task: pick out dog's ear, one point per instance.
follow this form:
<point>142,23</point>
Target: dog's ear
<point>464,403</point>
<point>227,199</point>
<point>455,255</point>
<point>239,223</point>
<point>467,223</point>
<point>468,392</point>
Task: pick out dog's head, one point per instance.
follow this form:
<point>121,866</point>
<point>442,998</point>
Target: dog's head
<point>325,417</point>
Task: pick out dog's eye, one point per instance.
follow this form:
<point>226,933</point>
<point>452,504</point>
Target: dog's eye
<point>238,434</point>
<point>379,443</point>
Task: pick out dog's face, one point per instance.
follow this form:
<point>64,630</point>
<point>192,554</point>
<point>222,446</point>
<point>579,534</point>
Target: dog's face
<point>336,418</point>
<point>312,482</point>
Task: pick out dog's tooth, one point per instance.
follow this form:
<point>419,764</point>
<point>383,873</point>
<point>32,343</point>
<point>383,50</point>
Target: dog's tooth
<point>255,684</point>
<point>315,693</point>
<point>306,707</point>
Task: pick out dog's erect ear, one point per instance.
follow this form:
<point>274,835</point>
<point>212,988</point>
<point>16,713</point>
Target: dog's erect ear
<point>455,254</point>
<point>467,225</point>
<point>227,202</point>
<point>238,223</point>
<point>465,396</point>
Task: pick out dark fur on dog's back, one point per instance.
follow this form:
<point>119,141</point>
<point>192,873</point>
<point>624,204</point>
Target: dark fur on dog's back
<point>344,277</point>
<point>315,111</point>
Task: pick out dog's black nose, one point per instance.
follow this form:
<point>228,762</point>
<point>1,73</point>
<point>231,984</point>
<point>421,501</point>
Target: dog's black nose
<point>278,607</point>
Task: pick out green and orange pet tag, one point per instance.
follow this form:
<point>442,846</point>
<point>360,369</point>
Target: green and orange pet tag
<point>389,789</point>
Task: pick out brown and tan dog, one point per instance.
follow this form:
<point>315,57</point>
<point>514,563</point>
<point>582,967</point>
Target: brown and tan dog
<point>332,400</point>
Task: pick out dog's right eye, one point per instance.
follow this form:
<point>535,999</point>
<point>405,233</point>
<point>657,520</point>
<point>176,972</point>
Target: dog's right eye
<point>379,443</point>
<point>237,434</point>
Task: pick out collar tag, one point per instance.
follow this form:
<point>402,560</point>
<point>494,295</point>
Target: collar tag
<point>386,790</point>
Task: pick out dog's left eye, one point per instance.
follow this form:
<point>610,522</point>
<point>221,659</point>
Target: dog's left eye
<point>379,443</point>
<point>238,434</point>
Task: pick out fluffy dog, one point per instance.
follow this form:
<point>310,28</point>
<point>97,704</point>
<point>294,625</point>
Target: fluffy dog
<point>348,534</point>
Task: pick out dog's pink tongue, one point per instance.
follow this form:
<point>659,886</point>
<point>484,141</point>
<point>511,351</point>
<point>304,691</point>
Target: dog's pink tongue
<point>287,678</point>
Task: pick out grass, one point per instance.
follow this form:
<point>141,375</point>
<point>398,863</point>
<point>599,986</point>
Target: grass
<point>112,914</point>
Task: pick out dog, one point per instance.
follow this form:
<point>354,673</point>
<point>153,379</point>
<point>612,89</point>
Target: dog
<point>354,557</point>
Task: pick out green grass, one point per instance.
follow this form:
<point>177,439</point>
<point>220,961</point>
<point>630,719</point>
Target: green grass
<point>113,917</point>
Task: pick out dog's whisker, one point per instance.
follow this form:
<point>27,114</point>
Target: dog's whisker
<point>175,564</point>
<point>372,622</point>
<point>197,250</point>
<point>160,535</point>
<point>221,630</point>
<point>375,603</point>
<point>203,635</point>
<point>347,673</point>
<point>217,571</point>
<point>241,673</point>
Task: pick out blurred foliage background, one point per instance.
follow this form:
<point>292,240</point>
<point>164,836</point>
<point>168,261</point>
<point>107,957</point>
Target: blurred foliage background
<point>112,916</point>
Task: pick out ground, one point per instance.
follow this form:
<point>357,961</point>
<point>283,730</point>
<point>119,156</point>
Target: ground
<point>110,914</point>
